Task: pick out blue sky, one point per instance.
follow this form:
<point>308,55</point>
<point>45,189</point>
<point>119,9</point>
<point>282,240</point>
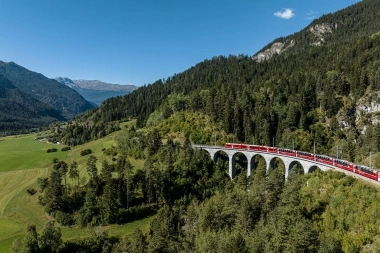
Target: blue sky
<point>140,41</point>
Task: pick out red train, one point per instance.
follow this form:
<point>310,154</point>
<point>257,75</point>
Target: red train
<point>342,164</point>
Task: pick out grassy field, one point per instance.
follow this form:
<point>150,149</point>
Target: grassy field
<point>23,152</point>
<point>22,161</point>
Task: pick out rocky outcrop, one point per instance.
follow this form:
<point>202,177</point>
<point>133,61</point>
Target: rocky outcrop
<point>320,32</point>
<point>275,49</point>
<point>366,112</point>
<point>368,109</point>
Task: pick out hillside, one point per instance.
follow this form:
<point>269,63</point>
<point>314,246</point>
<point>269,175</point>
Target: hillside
<point>48,91</point>
<point>96,91</point>
<point>20,110</point>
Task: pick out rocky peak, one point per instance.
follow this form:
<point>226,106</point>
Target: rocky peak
<point>275,49</point>
<point>68,82</point>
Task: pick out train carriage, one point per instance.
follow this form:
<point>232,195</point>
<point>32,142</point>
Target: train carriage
<point>305,155</point>
<point>324,159</point>
<point>285,151</point>
<point>366,172</point>
<point>342,164</point>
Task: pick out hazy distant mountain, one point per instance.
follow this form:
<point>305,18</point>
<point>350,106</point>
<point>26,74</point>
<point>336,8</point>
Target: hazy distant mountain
<point>96,91</point>
<point>48,91</point>
<point>67,82</point>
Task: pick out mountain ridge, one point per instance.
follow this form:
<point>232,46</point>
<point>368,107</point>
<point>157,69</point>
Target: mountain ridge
<point>46,90</point>
<point>20,110</point>
<point>96,91</point>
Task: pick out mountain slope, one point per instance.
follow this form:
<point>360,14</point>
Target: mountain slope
<point>295,95</point>
<point>67,101</point>
<point>96,91</point>
<point>19,110</point>
<point>351,23</point>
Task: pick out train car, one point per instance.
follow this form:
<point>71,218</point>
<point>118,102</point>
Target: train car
<point>232,145</point>
<point>324,159</point>
<point>258,148</point>
<point>366,172</point>
<point>285,151</point>
<point>244,146</point>
<point>236,145</point>
<point>305,155</point>
<point>342,164</point>
<point>228,145</point>
<point>271,149</point>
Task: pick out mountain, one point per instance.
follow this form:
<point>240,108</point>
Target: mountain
<point>19,110</point>
<point>48,91</point>
<point>311,88</point>
<point>96,91</point>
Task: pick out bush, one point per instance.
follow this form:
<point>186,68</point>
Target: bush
<point>51,150</point>
<point>86,152</point>
<point>31,191</point>
<point>65,219</point>
<point>55,160</point>
<point>112,151</point>
<point>137,212</point>
<point>65,148</point>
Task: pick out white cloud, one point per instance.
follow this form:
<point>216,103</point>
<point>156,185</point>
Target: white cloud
<point>287,13</point>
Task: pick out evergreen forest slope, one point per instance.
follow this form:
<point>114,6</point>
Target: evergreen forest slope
<point>19,110</point>
<point>309,92</point>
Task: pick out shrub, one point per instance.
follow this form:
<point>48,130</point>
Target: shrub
<point>65,148</point>
<point>86,152</point>
<point>31,191</point>
<point>51,150</point>
<point>65,219</point>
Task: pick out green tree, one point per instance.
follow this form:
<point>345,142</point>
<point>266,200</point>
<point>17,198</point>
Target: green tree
<point>30,243</point>
<point>50,239</point>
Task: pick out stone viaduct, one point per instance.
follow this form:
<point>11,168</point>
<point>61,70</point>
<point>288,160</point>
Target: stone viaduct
<point>307,165</point>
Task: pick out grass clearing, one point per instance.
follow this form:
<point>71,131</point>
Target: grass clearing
<point>23,152</point>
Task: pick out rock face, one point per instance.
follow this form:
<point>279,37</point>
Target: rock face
<point>366,111</point>
<point>320,31</point>
<point>68,82</point>
<point>275,49</point>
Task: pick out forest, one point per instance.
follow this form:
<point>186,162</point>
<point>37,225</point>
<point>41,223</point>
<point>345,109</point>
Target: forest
<point>199,209</point>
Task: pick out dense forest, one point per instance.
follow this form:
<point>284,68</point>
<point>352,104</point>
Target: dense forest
<point>199,209</point>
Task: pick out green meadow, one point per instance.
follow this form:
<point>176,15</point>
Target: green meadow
<point>22,160</point>
<point>23,152</point>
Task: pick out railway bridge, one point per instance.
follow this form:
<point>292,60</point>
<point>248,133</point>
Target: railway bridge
<point>307,165</point>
